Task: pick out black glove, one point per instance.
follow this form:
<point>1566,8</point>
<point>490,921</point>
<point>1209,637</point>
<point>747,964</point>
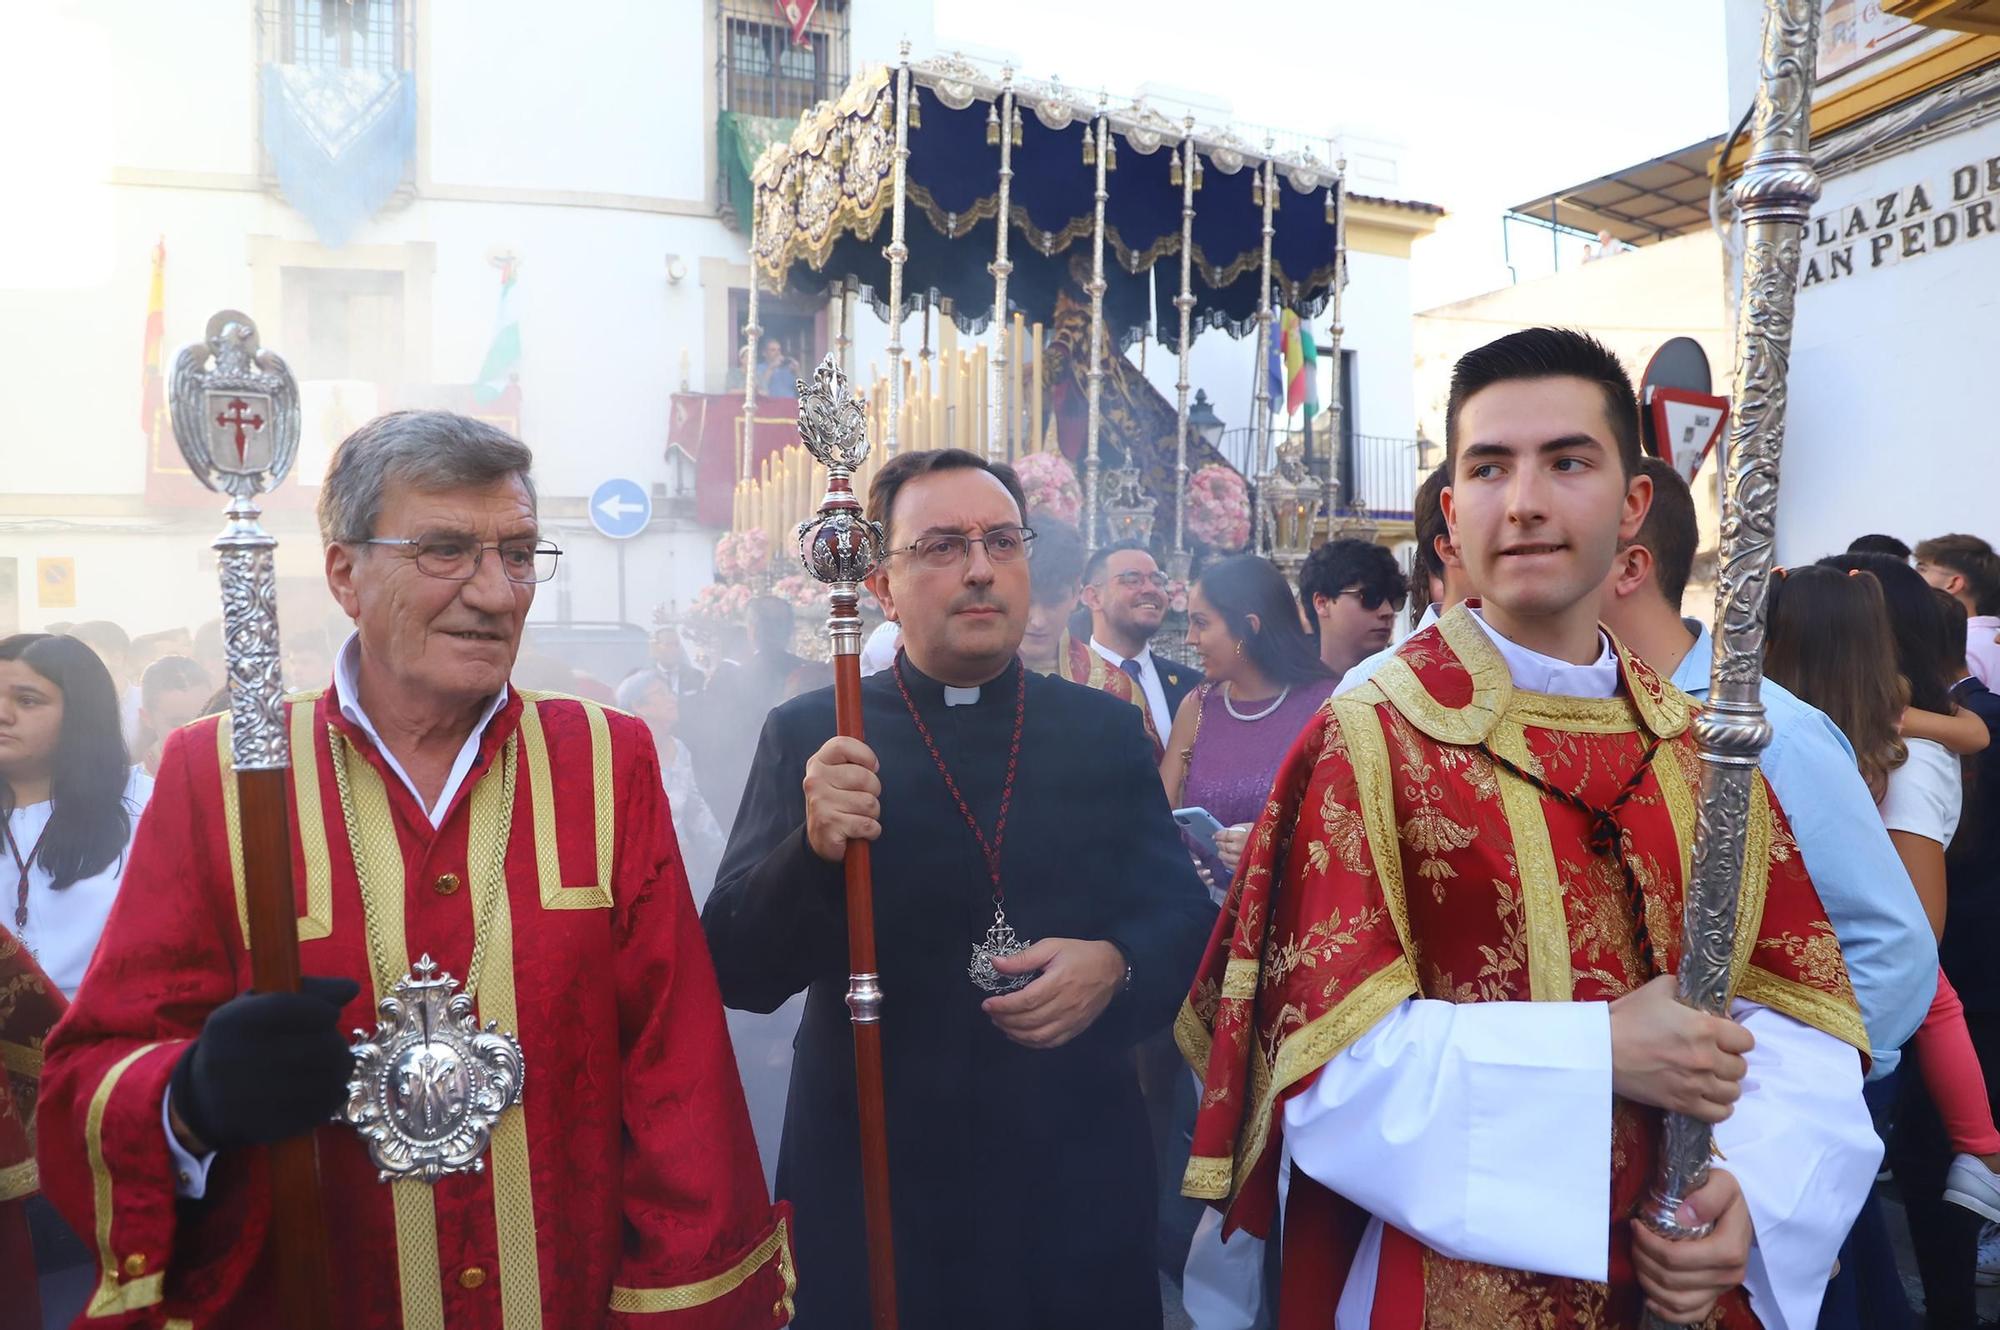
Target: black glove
<point>266,1066</point>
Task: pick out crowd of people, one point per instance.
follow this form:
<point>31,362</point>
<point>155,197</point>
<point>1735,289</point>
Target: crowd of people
<point>1292,976</point>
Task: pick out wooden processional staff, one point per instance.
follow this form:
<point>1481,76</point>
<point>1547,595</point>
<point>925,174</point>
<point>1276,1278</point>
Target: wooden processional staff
<point>236,419</point>
<point>1773,200</point>
<point>840,547</point>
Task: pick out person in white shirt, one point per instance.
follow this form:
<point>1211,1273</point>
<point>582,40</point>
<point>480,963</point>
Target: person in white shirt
<point>1126,594</point>
<point>1966,569</point>
<point>70,795</point>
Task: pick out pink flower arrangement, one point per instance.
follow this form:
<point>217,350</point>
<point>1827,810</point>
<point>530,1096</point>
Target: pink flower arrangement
<point>1049,481</point>
<point>740,555</point>
<point>803,592</point>
<point>1218,507</point>
<point>719,604</point>
<point>1177,594</point>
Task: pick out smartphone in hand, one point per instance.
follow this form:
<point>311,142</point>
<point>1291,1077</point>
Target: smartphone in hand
<point>1200,824</point>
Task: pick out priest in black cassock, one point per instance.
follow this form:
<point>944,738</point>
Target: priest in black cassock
<point>1021,1166</point>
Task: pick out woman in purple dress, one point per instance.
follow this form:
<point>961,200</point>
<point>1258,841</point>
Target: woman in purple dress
<point>1264,682</point>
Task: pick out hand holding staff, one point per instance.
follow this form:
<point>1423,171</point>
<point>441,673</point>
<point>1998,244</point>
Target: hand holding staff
<point>840,547</point>
<point>1774,198</point>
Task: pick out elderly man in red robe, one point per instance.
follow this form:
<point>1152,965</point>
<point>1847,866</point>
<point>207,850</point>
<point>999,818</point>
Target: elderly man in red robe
<point>444,823</point>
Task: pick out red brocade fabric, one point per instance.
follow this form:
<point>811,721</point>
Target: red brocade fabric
<point>629,1192</point>
<point>29,1006</point>
<point>1396,860</point>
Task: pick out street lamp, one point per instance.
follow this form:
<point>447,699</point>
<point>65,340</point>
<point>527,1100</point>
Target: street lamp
<point>1203,420</point>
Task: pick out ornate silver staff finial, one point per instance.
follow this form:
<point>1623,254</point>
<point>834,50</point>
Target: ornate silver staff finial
<point>236,419</point>
<point>237,423</point>
<point>839,547</point>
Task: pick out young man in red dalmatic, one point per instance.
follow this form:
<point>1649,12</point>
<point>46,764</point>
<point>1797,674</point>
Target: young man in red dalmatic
<point>522,844</point>
<point>1441,981</point>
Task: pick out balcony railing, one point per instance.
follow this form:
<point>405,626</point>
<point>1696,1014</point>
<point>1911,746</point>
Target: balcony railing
<point>1379,469</point>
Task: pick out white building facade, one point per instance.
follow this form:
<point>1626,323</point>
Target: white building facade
<point>579,144</point>
<point>1890,423</point>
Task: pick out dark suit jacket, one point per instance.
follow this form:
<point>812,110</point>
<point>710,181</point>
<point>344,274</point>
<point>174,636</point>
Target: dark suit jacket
<point>1176,681</point>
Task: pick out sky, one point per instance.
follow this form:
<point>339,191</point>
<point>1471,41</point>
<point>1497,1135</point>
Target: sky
<point>1490,104</point>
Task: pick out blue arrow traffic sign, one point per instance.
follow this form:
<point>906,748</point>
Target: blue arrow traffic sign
<point>620,508</point>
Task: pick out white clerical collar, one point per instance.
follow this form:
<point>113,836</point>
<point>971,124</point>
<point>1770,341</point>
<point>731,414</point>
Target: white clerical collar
<point>1143,659</point>
<point>1535,673</point>
<point>961,697</point>
<point>347,687</point>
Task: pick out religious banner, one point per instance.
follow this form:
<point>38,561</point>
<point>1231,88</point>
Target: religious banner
<point>340,140</point>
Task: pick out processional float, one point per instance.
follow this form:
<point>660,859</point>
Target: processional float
<point>1773,200</point>
<point>1026,172</point>
<point>236,419</point>
<point>839,548</point>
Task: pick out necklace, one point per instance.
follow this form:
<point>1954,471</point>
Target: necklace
<point>1228,700</point>
<point>14,847</point>
<point>1605,838</point>
<point>431,1083</point>
<point>1000,940</point>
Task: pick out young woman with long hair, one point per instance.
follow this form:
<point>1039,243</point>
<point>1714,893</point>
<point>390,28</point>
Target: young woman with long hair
<point>69,799</point>
<point>1860,637</point>
<point>1264,680</point>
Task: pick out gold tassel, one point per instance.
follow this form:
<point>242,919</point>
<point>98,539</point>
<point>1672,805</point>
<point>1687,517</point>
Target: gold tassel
<point>1090,146</point>
<point>1111,152</point>
<point>1257,190</point>
<point>1017,126</point>
<point>916,115</point>
<point>1174,172</point>
<point>1329,208</point>
<point>992,126</point>
<point>1277,194</point>
<point>1197,173</point>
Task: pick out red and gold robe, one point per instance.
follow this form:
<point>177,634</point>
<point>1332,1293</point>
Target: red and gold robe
<point>1397,860</point>
<point>29,1005</point>
<point>1078,663</point>
<point>624,1190</point>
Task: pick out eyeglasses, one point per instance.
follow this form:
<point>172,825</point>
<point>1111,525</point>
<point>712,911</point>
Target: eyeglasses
<point>1132,581</point>
<point>1371,600</point>
<point>523,561</point>
<point>943,550</point>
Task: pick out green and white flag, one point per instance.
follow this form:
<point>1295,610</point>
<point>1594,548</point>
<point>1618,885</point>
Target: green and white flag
<point>503,357</point>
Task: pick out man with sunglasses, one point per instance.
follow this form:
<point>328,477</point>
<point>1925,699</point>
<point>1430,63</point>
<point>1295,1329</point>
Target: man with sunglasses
<point>440,816</point>
<point>995,799</point>
<point>1351,591</point>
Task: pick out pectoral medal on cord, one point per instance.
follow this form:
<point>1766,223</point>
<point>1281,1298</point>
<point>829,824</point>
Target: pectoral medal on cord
<point>1000,940</point>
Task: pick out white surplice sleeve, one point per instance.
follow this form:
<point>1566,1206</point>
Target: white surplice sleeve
<point>1482,1129</point>
<point>1802,1147</point>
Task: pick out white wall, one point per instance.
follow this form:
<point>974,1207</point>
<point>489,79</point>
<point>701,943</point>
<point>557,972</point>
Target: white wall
<point>1892,368</point>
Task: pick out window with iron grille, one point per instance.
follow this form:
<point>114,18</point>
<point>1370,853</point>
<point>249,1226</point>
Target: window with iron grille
<point>337,34</point>
<point>765,73</point>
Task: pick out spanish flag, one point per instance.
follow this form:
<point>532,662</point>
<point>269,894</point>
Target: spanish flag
<point>152,390</point>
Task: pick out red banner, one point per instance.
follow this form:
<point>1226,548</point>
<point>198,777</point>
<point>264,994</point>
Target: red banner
<point>708,427</point>
<point>796,14</point>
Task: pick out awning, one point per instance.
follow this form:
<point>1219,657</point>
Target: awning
<point>1655,200</point>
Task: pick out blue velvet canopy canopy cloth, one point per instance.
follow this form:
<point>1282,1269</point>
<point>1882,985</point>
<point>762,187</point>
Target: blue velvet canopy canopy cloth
<point>825,199</point>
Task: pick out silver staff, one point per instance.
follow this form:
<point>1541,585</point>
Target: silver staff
<point>1774,197</point>
<point>236,418</point>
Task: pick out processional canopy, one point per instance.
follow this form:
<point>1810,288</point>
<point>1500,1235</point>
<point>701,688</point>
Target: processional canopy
<point>824,200</point>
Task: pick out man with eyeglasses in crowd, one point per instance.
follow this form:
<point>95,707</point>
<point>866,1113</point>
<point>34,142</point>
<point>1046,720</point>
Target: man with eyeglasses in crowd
<point>994,798</point>
<point>1126,594</point>
<point>1351,592</point>
<point>521,843</point>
